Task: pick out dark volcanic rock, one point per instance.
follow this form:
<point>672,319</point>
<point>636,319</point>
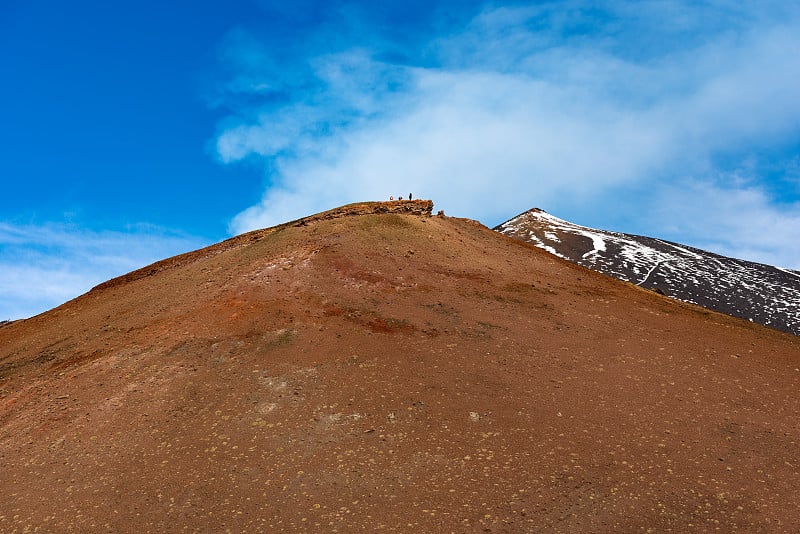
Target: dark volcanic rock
<point>753,291</point>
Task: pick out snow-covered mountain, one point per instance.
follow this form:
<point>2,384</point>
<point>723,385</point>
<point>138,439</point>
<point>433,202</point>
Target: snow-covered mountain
<point>760,293</point>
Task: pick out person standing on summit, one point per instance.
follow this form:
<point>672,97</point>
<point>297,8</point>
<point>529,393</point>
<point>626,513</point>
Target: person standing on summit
<point>409,196</point>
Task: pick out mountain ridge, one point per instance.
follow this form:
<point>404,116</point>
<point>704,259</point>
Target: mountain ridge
<point>413,207</point>
<point>757,292</point>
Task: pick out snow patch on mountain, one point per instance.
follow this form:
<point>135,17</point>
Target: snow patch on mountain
<point>760,293</point>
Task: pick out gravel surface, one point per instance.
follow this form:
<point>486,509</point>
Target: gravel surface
<point>395,372</point>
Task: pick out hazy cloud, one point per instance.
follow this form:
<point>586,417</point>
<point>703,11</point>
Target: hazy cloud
<point>591,113</point>
<point>43,266</point>
<point>737,221</point>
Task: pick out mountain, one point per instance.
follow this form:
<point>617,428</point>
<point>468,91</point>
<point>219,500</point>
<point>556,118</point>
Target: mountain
<point>378,368</point>
<point>760,293</point>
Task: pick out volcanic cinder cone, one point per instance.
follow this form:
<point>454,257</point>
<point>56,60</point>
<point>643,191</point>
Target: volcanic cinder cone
<point>377,368</point>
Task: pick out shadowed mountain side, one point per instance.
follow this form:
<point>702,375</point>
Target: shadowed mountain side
<point>760,293</point>
<point>393,371</point>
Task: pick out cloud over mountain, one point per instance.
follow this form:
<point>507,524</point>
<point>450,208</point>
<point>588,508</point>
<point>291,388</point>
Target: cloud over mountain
<point>605,113</point>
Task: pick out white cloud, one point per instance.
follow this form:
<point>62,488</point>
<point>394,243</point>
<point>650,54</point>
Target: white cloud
<point>43,266</point>
<point>739,222</point>
<point>522,110</point>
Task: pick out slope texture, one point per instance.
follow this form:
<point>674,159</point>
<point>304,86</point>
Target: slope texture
<point>397,372</point>
<point>753,291</point>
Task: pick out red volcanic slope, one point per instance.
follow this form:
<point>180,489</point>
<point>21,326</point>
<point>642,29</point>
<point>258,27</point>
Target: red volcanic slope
<point>370,370</point>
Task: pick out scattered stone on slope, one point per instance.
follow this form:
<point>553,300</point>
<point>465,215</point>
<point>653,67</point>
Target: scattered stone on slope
<point>320,378</point>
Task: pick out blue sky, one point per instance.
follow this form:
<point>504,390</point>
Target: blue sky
<point>132,131</point>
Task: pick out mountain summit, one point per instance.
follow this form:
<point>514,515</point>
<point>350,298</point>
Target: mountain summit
<point>379,368</point>
<point>753,291</point>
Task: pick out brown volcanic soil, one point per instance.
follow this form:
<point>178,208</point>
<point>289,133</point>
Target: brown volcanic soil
<point>399,372</point>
